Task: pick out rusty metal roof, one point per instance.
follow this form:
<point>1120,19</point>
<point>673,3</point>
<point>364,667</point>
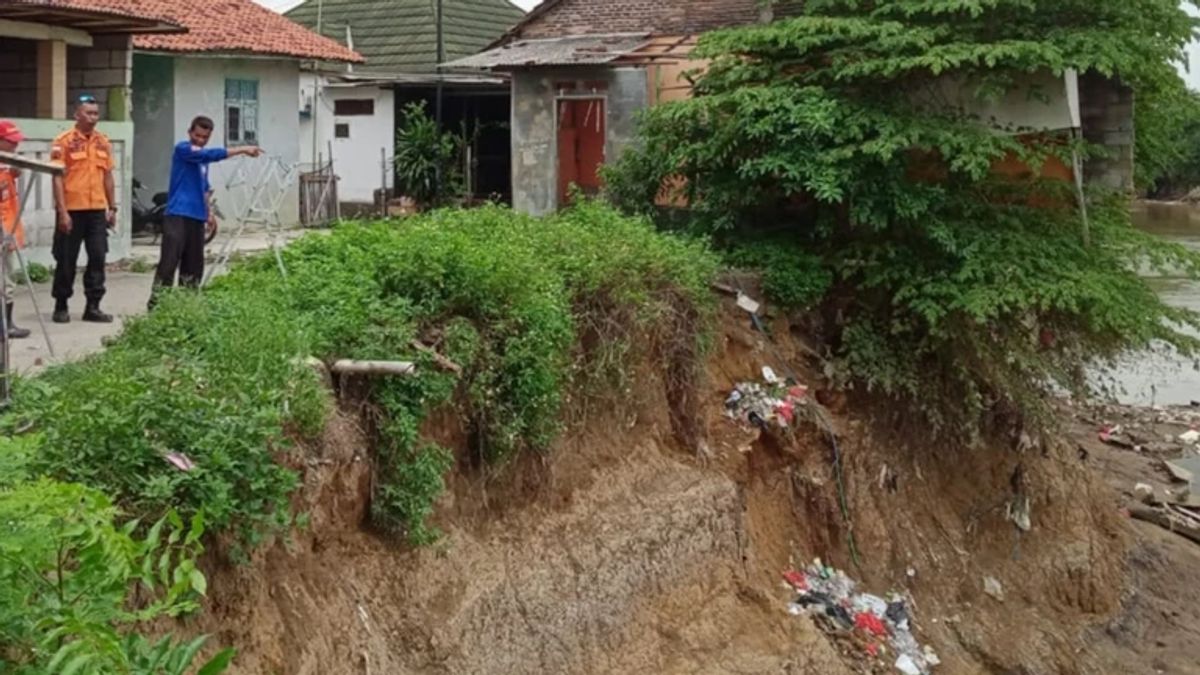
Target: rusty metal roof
<point>576,50</point>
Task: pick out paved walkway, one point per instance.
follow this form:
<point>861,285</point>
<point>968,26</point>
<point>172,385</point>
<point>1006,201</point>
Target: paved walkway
<point>126,297</point>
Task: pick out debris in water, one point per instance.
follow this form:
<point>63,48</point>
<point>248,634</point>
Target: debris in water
<point>991,586</point>
<point>1191,436</point>
<point>878,625</point>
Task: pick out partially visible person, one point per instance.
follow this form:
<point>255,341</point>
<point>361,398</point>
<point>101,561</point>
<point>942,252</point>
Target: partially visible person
<point>87,209</point>
<point>10,214</point>
<point>189,215</point>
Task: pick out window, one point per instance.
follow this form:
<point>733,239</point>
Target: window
<point>341,130</point>
<point>241,112</point>
<point>347,107</point>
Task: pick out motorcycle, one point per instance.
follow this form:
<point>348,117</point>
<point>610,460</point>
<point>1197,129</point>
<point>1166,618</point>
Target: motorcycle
<point>149,219</point>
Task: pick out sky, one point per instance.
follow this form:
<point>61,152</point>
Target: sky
<point>284,5</point>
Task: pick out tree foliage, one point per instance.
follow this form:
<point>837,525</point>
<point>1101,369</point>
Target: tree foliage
<point>950,283</point>
<point>1168,139</point>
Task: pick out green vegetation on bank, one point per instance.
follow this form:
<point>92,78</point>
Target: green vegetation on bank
<point>967,296</point>
<point>196,407</point>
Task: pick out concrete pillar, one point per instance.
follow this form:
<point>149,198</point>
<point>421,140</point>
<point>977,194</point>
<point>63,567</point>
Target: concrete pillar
<point>52,79</point>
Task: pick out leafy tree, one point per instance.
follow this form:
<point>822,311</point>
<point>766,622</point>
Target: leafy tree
<point>953,288</point>
<point>1168,139</point>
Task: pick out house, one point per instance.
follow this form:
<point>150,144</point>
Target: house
<point>352,112</point>
<point>239,64</point>
<point>581,70</point>
<point>50,52</point>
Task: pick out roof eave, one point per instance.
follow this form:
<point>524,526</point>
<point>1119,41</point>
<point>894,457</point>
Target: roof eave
<point>90,21</point>
<point>243,54</point>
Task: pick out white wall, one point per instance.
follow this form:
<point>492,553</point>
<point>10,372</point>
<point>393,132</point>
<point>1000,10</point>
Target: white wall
<point>1043,101</point>
<point>39,217</point>
<point>356,159</point>
<point>200,90</point>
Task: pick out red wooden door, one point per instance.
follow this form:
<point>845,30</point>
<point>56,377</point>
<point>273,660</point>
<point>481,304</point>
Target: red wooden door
<point>581,136</point>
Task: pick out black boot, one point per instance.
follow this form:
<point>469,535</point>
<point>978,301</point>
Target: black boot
<point>61,315</point>
<point>14,331</point>
<point>93,314</point>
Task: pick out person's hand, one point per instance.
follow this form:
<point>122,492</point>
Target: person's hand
<point>64,222</point>
<point>111,217</point>
<point>210,228</point>
<point>255,151</point>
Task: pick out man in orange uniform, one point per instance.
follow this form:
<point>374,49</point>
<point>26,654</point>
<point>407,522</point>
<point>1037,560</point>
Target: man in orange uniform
<point>10,215</point>
<point>87,209</point>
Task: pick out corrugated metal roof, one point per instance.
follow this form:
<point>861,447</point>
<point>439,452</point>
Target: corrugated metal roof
<point>400,36</point>
<point>576,50</point>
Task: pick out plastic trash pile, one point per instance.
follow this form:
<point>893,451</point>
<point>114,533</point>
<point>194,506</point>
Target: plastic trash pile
<point>881,628</point>
<point>773,403</point>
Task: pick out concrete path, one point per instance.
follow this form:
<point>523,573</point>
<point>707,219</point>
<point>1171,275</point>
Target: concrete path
<point>126,297</point>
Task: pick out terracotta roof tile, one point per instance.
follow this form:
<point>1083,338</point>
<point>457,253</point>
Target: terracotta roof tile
<point>123,8</point>
<point>239,26</point>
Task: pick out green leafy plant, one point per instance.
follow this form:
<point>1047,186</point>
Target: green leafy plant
<point>427,159</point>
<point>1168,139</point>
<point>73,585</point>
<point>197,403</point>
<point>34,272</point>
<point>966,295</point>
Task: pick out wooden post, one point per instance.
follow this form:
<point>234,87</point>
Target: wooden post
<point>52,79</point>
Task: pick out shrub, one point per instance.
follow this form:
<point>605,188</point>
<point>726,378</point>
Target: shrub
<point>220,377</point>
<point>34,272</point>
<point>427,159</point>
<point>73,585</point>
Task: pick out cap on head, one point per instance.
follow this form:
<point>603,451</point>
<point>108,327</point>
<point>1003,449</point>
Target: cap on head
<point>85,98</point>
<point>10,132</point>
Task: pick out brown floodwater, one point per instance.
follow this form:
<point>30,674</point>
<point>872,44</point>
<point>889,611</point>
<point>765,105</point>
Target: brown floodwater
<point>1163,378</point>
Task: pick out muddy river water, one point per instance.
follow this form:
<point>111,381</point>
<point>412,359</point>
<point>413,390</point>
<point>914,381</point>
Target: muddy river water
<point>1164,379</point>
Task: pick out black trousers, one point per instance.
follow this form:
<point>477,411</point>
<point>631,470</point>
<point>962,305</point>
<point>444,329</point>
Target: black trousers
<point>89,229</point>
<point>182,251</point>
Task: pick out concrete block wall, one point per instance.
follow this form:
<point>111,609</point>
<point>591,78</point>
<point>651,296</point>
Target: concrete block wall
<point>18,73</point>
<point>1107,115</point>
<point>535,125</point>
<point>104,70</point>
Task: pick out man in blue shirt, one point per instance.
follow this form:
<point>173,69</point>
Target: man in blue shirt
<point>188,215</point>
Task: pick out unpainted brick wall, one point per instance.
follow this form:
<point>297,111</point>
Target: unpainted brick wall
<point>103,70</point>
